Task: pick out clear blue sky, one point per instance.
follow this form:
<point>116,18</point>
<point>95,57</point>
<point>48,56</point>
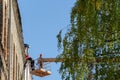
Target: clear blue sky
<point>41,22</point>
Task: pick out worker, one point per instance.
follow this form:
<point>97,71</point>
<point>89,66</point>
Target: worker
<point>41,62</point>
<point>28,58</point>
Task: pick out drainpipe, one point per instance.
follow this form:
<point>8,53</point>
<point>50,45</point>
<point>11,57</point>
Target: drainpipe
<point>10,41</point>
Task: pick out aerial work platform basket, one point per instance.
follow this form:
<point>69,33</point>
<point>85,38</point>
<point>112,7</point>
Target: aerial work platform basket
<point>41,72</point>
<point>42,69</point>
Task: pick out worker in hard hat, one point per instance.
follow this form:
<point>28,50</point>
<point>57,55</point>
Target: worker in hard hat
<point>41,62</point>
<point>27,57</point>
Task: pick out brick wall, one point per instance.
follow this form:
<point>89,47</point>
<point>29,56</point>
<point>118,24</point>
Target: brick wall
<point>1,17</point>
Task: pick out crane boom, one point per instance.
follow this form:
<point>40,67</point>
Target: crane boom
<point>100,59</point>
<point>52,60</point>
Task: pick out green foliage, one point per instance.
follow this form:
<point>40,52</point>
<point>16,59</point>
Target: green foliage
<point>94,33</point>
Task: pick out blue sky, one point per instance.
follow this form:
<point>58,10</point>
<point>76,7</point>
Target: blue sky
<point>41,22</point>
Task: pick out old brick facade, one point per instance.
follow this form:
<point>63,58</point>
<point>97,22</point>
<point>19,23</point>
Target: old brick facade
<point>15,37</point>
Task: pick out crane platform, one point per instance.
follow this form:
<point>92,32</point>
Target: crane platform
<point>41,72</point>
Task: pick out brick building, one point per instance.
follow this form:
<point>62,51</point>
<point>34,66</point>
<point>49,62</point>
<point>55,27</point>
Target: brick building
<point>11,42</point>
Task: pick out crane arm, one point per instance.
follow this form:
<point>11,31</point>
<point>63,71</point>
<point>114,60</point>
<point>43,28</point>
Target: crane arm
<point>52,60</point>
<point>113,59</point>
